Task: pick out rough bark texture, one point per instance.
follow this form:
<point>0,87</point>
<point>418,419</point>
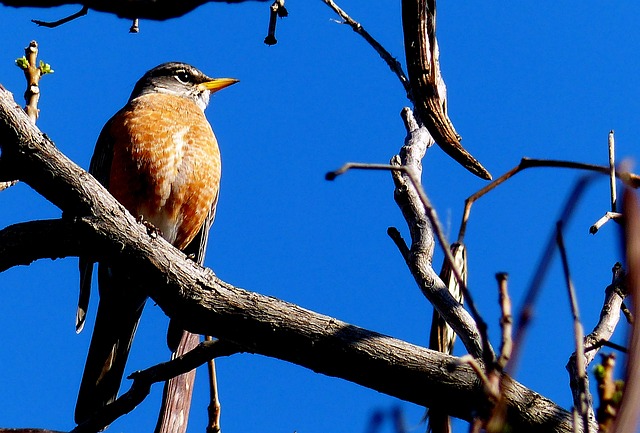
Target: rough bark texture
<point>259,324</point>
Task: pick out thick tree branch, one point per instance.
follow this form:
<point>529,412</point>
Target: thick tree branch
<point>154,10</point>
<point>271,327</point>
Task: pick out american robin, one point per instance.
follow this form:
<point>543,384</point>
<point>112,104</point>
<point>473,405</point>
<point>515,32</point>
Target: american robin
<point>159,157</point>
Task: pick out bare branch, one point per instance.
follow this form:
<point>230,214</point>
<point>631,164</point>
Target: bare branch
<point>142,381</point>
<point>52,24</point>
<point>23,243</point>
<point>506,321</point>
<point>397,238</point>
<point>406,169</point>
<point>268,326</point>
<point>615,294</point>
<point>526,311</point>
<point>582,400</point>
<point>391,61</point>
<point>630,179</point>
<point>423,224</point>
<point>612,171</point>
<point>608,216</point>
<point>214,402</point>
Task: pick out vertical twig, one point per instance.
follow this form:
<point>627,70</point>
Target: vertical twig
<point>582,405</point>
<point>32,72</point>
<point>276,10</point>
<point>506,321</point>
<point>214,401</point>
<point>612,171</point>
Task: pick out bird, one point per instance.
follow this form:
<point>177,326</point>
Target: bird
<point>159,157</point>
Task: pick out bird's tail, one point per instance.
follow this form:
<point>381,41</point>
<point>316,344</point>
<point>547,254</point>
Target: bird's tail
<point>118,314</point>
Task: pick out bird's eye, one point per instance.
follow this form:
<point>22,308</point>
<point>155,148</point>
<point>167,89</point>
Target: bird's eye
<point>182,76</point>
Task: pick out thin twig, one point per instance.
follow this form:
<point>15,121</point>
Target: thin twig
<point>51,24</point>
<point>615,293</point>
<point>612,171</point>
<point>442,337</point>
<point>608,216</point>
<point>392,62</point>
<point>526,311</point>
<point>613,214</point>
<point>506,321</point>
<point>487,384</point>
<point>582,403</point>
<point>437,228</point>
<point>630,179</point>
<point>214,401</point>
<point>605,343</point>
<point>395,235</point>
<point>142,381</point>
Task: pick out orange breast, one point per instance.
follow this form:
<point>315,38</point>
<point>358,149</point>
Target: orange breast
<point>166,164</point>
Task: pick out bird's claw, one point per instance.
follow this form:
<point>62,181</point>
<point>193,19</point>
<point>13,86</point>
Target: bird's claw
<point>152,230</point>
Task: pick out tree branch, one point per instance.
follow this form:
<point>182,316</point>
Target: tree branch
<point>271,327</point>
<point>131,9</point>
<point>420,255</point>
<point>142,381</point>
<point>427,86</point>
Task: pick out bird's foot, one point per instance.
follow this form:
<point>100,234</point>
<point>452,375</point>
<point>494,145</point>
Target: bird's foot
<point>152,230</point>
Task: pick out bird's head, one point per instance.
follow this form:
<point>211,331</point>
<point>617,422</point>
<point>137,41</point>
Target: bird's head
<point>180,79</point>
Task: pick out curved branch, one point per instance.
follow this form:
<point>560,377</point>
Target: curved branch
<point>23,243</point>
<point>142,381</point>
<point>206,305</point>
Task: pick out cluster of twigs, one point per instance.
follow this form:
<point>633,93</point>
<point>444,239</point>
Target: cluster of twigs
<point>409,169</point>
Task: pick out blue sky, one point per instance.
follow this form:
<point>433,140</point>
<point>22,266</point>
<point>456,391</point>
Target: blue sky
<point>543,80</point>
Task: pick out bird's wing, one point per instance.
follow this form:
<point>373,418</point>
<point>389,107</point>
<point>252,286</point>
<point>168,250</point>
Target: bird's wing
<point>100,168</point>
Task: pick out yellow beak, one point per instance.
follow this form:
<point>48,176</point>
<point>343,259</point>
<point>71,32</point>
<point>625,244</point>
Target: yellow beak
<point>217,84</point>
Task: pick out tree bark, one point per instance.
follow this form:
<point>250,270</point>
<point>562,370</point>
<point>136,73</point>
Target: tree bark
<point>95,223</point>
